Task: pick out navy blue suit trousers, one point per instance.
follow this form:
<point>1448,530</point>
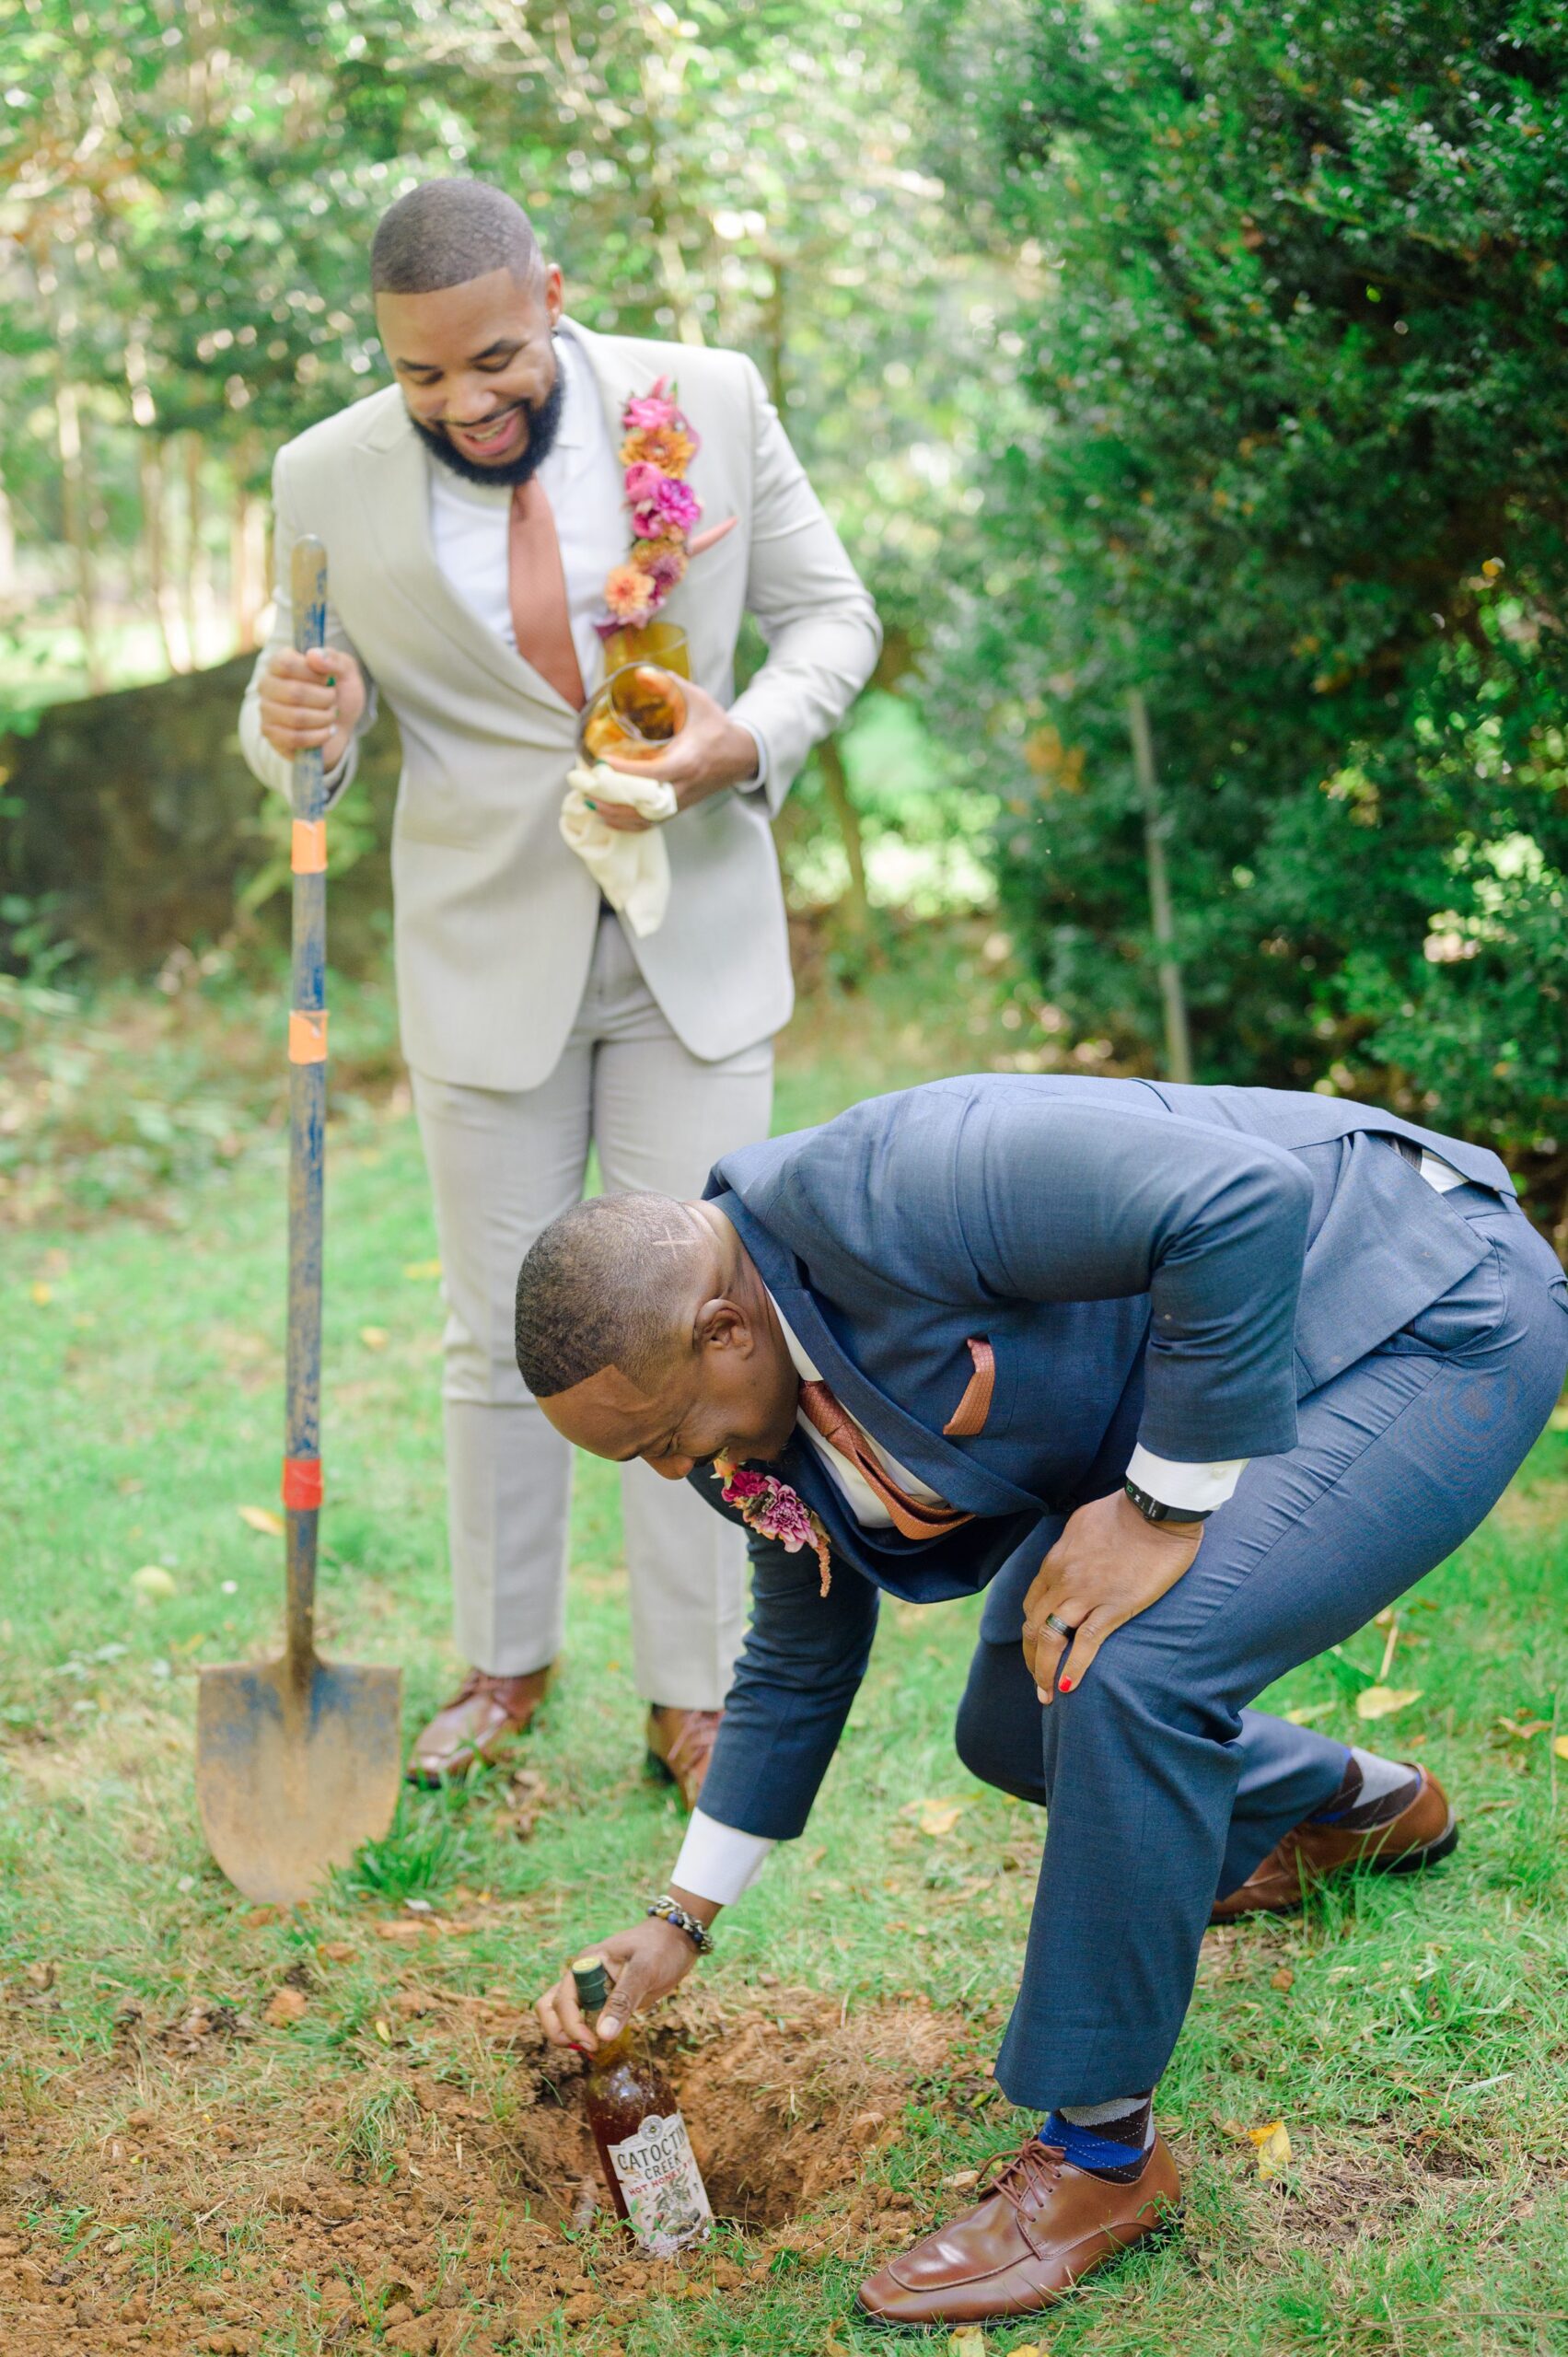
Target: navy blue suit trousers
<point>1163,1788</point>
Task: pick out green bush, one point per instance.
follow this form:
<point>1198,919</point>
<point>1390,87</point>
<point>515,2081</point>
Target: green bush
<point>1291,456</point>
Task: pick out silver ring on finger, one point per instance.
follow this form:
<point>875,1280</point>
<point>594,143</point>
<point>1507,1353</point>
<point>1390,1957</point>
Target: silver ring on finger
<point>1052,1621</point>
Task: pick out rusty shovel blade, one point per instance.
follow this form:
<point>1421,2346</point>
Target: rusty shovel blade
<point>293,1772</point>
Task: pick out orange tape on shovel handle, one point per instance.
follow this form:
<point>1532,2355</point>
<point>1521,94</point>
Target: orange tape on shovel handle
<point>306,1038</point>
<point>302,1483</point>
<point>307,847</point>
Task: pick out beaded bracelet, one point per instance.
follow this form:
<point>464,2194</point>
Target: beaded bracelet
<point>671,1912</point>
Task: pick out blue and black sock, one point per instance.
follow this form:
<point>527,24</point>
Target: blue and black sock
<point>1372,1791</point>
<point>1109,2140</point>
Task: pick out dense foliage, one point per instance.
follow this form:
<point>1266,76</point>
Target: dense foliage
<point>189,194</point>
<point>1295,464</point>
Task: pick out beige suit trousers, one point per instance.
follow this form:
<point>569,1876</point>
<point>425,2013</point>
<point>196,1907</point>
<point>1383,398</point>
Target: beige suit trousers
<point>503,1165</point>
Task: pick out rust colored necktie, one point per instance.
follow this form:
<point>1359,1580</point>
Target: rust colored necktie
<point>536,582</point>
<point>912,1517</point>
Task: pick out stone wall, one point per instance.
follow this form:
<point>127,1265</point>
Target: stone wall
<point>136,814</point>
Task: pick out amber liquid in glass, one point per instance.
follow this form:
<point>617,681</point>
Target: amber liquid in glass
<point>645,2155</point>
<point>637,708</point>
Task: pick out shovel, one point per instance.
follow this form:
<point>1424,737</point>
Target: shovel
<point>299,1761</point>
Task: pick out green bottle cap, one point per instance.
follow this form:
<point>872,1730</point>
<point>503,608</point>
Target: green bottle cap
<point>593,1983</point>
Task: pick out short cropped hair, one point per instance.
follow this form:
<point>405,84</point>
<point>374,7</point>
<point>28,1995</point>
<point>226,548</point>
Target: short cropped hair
<point>446,232</point>
<point>607,1284</point>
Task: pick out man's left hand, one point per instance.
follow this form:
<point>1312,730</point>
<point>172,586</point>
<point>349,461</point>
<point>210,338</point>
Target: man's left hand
<point>1108,1566</point>
<point>711,753</point>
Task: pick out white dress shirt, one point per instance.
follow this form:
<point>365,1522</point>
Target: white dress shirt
<point>717,1861</point>
<point>471,524</point>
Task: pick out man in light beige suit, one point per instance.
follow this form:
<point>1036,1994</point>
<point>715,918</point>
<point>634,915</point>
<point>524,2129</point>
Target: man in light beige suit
<point>472,513</point>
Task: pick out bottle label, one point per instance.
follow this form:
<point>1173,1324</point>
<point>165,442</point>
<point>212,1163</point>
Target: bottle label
<point>667,2202</point>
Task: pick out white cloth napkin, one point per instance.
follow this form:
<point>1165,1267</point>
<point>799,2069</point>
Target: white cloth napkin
<point>632,871</point>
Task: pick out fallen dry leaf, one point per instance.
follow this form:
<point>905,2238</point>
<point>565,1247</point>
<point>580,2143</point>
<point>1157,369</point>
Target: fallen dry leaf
<point>420,1270</point>
<point>1559,1745</point>
<point>337,1951</point>
<point>527,1797</point>
<point>1283,1978</point>
<point>1524,1728</point>
<point>288,2006</point>
<point>42,1296</point>
<point>936,1817</point>
<point>262,1518</point>
<point>1382,1701</point>
<point>152,1583</point>
<point>375,1338</point>
<point>1307,1712</point>
<point>42,1975</point>
<point>961,2179</point>
<point>968,2341</point>
<point>1273,2145</point>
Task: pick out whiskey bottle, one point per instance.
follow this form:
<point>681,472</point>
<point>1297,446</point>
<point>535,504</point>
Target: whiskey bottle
<point>644,2153</point>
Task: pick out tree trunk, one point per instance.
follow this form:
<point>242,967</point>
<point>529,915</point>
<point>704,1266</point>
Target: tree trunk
<point>835,778</point>
<point>248,548</point>
<point>190,586</point>
<point>1177,1046</point>
<point>75,493</point>
<point>776,385</point>
<point>151,467</point>
<point>7,550</point>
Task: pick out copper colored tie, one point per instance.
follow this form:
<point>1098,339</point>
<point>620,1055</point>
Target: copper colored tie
<point>537,587</point>
<point>911,1518</point>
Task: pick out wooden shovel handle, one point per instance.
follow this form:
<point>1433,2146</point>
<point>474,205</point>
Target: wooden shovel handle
<point>307,1113</point>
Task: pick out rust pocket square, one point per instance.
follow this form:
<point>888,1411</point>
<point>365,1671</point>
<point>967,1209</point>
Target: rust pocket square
<point>968,1417</point>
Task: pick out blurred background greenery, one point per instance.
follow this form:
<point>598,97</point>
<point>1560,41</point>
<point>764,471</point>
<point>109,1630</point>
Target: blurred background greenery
<point>1204,360</point>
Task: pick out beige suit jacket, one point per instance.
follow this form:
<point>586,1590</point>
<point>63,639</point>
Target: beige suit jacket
<point>494,919</point>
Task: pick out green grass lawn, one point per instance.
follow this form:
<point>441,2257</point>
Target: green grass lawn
<point>154,2126</point>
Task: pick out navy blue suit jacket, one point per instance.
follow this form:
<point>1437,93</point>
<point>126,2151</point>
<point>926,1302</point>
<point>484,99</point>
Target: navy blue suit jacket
<point>1147,1262</point>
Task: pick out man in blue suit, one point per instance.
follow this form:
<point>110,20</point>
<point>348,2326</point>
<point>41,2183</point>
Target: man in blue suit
<point>1192,1382</point>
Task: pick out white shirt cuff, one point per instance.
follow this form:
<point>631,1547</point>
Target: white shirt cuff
<point>752,785</point>
<point>718,1862</point>
<point>1200,1487</point>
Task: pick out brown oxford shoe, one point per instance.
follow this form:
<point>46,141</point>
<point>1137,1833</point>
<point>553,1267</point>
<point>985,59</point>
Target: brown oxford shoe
<point>680,1744</point>
<point>1041,2227</point>
<point>477,1722</point>
<point>1424,1831</point>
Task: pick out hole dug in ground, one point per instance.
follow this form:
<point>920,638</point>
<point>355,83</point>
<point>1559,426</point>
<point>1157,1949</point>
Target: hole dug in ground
<point>453,2207</point>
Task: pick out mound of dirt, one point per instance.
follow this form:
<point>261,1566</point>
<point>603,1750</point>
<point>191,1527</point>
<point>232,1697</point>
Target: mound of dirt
<point>455,2209</point>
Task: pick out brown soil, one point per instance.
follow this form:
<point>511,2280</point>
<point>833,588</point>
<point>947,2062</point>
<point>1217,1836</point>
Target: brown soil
<point>452,2203</point>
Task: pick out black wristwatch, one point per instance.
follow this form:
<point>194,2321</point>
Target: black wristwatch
<point>1152,1510</point>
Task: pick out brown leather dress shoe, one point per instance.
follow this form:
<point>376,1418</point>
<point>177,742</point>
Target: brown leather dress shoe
<point>477,1724</point>
<point>1042,2227</point>
<point>1424,1831</point>
<point>680,1744</point>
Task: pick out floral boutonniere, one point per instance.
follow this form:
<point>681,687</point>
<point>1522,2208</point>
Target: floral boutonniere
<point>774,1510</point>
<point>659,446</point>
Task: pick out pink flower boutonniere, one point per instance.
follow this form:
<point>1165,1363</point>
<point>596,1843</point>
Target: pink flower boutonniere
<point>774,1510</point>
<point>658,448</point>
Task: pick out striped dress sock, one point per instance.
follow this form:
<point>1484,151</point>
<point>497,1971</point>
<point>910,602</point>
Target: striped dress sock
<point>1372,1791</point>
<point>1109,2139</point>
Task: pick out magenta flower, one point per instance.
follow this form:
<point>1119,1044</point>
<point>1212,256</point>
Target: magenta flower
<point>642,482</point>
<point>650,409</point>
<point>667,569</point>
<point>677,502</point>
<point>774,1510</point>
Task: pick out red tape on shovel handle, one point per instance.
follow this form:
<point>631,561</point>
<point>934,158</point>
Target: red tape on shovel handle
<point>302,1482</point>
